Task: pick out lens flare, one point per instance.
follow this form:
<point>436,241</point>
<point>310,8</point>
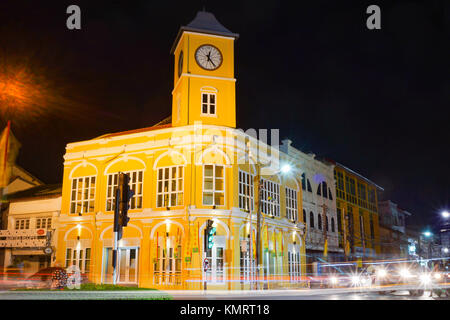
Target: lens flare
<point>21,92</point>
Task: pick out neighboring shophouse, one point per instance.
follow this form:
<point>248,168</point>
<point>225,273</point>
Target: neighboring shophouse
<point>357,213</point>
<point>392,225</point>
<point>319,208</point>
<point>20,179</point>
<point>193,167</point>
<point>31,227</point>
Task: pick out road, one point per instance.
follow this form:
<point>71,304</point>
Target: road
<point>305,294</point>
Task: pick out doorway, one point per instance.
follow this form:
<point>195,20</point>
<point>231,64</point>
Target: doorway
<point>127,265</point>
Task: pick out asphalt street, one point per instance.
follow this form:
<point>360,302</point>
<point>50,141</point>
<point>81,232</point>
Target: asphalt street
<point>305,294</point>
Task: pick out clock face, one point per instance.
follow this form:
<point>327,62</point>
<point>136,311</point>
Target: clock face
<point>208,57</point>
<point>180,63</point>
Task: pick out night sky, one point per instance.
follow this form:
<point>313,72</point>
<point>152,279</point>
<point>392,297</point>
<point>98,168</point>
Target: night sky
<point>375,101</point>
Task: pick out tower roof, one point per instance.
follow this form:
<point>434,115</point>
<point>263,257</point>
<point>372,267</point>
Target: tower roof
<point>204,22</point>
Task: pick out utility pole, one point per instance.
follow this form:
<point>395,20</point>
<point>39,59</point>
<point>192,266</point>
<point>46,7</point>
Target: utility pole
<point>116,234</point>
<point>258,224</point>
<point>259,190</point>
<point>324,225</point>
<point>344,218</point>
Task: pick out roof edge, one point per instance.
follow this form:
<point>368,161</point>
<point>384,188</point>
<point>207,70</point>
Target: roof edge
<point>191,29</point>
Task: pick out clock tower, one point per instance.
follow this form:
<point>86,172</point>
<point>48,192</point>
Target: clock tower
<point>204,84</point>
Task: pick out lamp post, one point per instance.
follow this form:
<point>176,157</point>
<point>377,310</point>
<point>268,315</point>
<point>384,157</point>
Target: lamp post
<point>286,168</point>
<point>428,235</point>
<point>444,233</point>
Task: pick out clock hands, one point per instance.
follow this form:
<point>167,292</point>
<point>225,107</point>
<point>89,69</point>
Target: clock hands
<point>209,59</point>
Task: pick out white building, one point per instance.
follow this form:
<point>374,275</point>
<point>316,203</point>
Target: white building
<point>319,205</point>
<point>31,224</point>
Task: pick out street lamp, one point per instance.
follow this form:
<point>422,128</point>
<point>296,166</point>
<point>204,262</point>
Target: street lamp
<point>445,214</point>
<point>427,234</point>
<point>286,168</point>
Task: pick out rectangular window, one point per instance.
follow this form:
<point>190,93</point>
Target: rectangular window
<point>167,265</point>
<point>22,224</point>
<point>170,187</point>
<point>82,195</point>
<point>270,198</point>
<point>350,187</point>
<point>291,204</point>
<point>208,103</point>
<point>247,268</point>
<point>372,199</point>
<point>213,185</point>
<point>44,223</point>
<point>80,258</point>
<point>339,176</point>
<point>246,191</point>
<point>362,191</point>
<point>294,266</point>
<point>135,183</point>
<point>362,195</point>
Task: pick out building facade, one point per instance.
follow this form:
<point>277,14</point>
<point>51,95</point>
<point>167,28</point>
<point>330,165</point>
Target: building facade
<point>357,214</point>
<point>319,208</point>
<point>392,225</point>
<point>31,227</point>
<point>195,168</point>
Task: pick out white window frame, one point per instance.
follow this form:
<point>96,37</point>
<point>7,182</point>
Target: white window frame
<point>44,223</point>
<point>167,195</point>
<point>134,184</point>
<point>168,268</point>
<point>213,191</point>
<point>294,265</point>
<point>22,224</point>
<point>78,258</point>
<point>215,274</point>
<point>247,270</point>
<point>208,103</point>
<point>246,191</point>
<point>89,201</point>
<point>291,204</point>
<point>270,189</point>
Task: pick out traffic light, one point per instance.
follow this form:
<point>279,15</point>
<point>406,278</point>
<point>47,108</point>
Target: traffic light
<point>122,203</point>
<point>209,235</point>
<point>126,195</point>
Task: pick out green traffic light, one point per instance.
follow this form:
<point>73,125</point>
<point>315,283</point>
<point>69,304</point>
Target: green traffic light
<point>212,231</point>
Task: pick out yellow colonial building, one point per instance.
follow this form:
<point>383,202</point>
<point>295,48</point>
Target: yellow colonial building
<point>189,168</point>
<point>357,212</point>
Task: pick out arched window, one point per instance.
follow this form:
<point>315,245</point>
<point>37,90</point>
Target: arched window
<point>329,194</point>
<point>309,185</point>
<point>324,189</point>
<point>332,224</point>
<point>311,219</point>
<point>319,222</point>
<point>326,223</point>
<point>304,216</point>
<point>303,181</point>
